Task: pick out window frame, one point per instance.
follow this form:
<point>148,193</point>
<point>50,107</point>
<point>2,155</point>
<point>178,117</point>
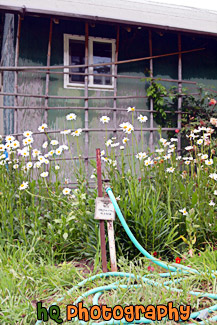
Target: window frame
<point>91,39</point>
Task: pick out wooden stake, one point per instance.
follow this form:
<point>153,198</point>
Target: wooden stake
<point>102,226</point>
<point>112,251</point>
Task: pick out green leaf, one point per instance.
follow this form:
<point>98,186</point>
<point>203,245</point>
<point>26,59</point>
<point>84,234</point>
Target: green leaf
<point>194,198</point>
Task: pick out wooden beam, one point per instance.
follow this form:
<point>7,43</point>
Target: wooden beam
<point>86,117</point>
<point>151,138</point>
<point>99,64</point>
<point>115,79</point>
<point>16,73</point>
<point>179,122</point>
<point>48,73</point>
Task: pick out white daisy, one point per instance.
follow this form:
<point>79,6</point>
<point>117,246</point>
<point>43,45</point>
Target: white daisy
<point>183,211</point>
<point>142,118</point>
<point>71,117</point>
<point>213,176</point>
<point>23,186</point>
<point>113,145</point>
<point>121,147</point>
<point>66,132</point>
<point>170,170</point>
<point>64,147</point>
<point>15,166</point>
<point>139,155</point>
<point>45,144</point>
<point>129,129</point>
<point>159,150</point>
<point>187,158</point>
<point>211,203</point>
<point>125,140</point>
<point>77,132</point>
<point>188,148</point>
<point>2,147</point>
<point>54,142</point>
<point>25,152</point>
<point>215,192</point>
<point>166,157</point>
<point>125,126</point>
<point>8,145</point>
<point>162,140</point>
<point>35,153</point>
<point>131,109</point>
<point>51,153</point>
<point>209,162</point>
<point>37,164</point>
<point>10,138</point>
<point>204,157</point>
<point>44,174</point>
<point>108,143</point>
<point>42,127</point>
<point>41,159</point>
<point>200,141</point>
<point>187,162</point>
<point>104,119</point>
<point>29,165</point>
<point>15,144</point>
<point>66,191</point>
<point>57,167</point>
<point>27,134</point>
<point>58,151</point>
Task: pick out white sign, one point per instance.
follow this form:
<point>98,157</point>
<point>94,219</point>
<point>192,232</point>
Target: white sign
<point>104,209</point>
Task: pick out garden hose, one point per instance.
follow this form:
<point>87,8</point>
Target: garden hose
<point>173,270</point>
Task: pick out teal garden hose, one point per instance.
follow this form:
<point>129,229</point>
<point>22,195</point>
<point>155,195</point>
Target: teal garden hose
<point>171,270</point>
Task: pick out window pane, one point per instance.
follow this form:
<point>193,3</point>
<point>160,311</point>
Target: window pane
<point>102,53</point>
<point>76,56</point>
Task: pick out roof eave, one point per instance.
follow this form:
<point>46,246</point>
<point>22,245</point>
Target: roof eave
<point>50,13</point>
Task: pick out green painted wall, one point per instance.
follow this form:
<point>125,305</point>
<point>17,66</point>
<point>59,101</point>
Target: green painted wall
<point>198,66</point>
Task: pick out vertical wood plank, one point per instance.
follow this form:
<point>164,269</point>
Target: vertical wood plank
<point>48,73</point>
<point>151,139</point>
<point>179,122</point>
<point>16,125</point>
<point>86,117</point>
<point>115,79</point>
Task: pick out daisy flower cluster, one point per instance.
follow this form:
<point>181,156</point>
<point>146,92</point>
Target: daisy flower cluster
<point>198,154</point>
<point>22,155</point>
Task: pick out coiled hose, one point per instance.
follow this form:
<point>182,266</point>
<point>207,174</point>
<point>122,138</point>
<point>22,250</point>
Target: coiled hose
<point>178,270</point>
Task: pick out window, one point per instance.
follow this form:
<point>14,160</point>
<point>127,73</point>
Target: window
<point>100,50</point>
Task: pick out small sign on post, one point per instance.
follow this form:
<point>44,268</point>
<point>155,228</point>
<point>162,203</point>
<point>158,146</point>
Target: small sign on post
<point>104,209</point>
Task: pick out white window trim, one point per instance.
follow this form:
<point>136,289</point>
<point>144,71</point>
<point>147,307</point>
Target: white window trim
<point>91,39</point>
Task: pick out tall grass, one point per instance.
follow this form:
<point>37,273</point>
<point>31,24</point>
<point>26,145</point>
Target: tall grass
<point>167,200</point>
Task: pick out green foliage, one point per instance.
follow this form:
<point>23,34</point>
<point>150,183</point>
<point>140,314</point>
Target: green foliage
<point>195,105</point>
